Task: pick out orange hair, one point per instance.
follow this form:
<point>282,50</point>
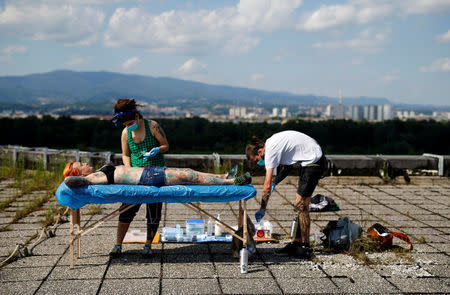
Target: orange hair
<point>70,171</point>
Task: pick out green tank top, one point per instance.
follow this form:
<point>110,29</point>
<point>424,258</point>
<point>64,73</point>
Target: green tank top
<point>136,149</point>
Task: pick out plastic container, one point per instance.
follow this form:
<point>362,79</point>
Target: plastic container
<point>171,234</point>
<point>263,229</point>
<point>195,227</point>
<point>209,228</point>
<point>217,229</point>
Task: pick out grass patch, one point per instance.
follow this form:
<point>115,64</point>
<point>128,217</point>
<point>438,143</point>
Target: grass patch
<point>94,209</point>
<point>5,228</point>
<point>28,181</point>
<point>32,206</point>
<point>6,203</point>
<point>49,216</point>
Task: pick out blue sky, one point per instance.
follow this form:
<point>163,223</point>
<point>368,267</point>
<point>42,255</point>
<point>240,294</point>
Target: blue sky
<point>397,49</point>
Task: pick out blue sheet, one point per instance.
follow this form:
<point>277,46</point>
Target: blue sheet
<point>77,197</point>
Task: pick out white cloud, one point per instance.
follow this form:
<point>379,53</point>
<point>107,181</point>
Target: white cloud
<point>423,6</point>
<point>440,65</point>
<point>366,11</point>
<point>443,38</point>
<point>391,76</point>
<point>265,15</point>
<point>65,23</point>
<point>76,60</point>
<point>131,62</point>
<point>12,49</point>
<point>367,41</point>
<point>228,29</point>
<point>7,53</point>
<point>257,77</point>
<point>326,17</point>
<point>192,66</point>
<point>358,60</point>
<point>277,58</point>
<point>333,16</point>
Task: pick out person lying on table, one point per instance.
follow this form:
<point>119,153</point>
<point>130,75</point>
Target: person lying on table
<point>80,174</point>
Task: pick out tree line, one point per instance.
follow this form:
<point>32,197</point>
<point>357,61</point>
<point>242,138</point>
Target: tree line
<point>197,135</point>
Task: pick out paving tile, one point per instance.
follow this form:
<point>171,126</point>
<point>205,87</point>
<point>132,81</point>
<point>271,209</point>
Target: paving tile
<point>190,286</point>
<point>24,274</point>
<point>307,285</point>
<point>249,286</point>
<point>19,288</point>
<point>420,285</point>
<point>69,287</point>
<point>132,287</point>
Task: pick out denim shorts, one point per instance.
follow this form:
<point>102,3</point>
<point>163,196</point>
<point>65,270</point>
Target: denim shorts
<point>153,176</point>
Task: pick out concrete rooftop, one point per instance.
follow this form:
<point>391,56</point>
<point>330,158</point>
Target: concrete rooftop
<point>420,209</point>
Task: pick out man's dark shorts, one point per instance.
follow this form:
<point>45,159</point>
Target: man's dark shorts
<point>309,177</point>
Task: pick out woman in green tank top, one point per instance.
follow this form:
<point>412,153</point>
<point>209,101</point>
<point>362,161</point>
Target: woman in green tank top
<point>143,144</point>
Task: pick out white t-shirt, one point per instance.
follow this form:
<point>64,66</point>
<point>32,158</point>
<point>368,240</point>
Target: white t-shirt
<point>289,147</point>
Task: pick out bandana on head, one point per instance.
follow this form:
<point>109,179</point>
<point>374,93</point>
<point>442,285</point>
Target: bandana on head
<point>121,117</point>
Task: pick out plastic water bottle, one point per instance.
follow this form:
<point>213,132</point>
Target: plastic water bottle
<point>217,229</point>
<point>294,226</point>
<point>209,228</point>
<point>244,260</point>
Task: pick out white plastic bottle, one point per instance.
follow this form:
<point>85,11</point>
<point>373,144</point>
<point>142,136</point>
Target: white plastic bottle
<point>217,229</point>
<point>209,228</point>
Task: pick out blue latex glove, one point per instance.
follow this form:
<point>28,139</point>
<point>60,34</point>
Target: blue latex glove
<point>259,215</point>
<point>153,152</point>
<point>273,187</point>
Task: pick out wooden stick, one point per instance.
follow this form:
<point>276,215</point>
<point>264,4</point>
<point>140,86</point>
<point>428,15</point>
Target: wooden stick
<point>108,217</point>
<point>78,236</point>
<point>71,238</point>
<point>245,225</point>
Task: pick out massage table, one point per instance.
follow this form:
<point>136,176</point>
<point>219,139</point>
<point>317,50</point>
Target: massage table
<point>77,197</point>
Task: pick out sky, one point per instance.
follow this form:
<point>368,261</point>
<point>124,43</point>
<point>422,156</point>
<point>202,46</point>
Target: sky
<point>395,49</point>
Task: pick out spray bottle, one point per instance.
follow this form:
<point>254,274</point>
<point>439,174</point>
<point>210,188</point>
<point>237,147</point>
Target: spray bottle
<point>217,229</point>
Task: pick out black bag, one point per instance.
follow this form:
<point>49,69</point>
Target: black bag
<point>340,234</point>
<point>321,203</point>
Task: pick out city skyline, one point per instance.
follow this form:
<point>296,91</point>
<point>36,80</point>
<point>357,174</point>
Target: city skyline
<point>396,50</point>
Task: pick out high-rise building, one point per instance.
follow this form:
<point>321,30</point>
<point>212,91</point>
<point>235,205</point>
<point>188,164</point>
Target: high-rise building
<point>275,112</point>
<point>387,112</point>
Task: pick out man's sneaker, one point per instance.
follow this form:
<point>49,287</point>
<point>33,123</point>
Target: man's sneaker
<point>243,179</point>
<point>116,251</point>
<point>147,251</point>
<point>232,173</point>
<point>295,250</point>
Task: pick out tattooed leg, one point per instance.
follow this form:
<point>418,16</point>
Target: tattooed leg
<point>189,176</point>
<point>302,205</point>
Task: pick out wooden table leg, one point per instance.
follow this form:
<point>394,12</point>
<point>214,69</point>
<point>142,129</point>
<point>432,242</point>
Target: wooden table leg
<point>78,236</point>
<point>71,238</point>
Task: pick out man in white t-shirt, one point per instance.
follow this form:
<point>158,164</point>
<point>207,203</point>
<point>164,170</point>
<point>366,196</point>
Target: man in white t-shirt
<point>284,149</point>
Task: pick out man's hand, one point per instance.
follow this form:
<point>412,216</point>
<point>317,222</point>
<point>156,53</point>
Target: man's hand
<point>259,215</point>
<point>153,152</point>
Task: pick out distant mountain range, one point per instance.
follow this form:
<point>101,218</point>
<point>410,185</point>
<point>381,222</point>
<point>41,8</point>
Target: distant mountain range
<point>96,90</point>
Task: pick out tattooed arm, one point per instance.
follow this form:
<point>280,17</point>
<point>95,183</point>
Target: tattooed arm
<point>266,189</point>
<point>160,136</point>
<point>94,178</point>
